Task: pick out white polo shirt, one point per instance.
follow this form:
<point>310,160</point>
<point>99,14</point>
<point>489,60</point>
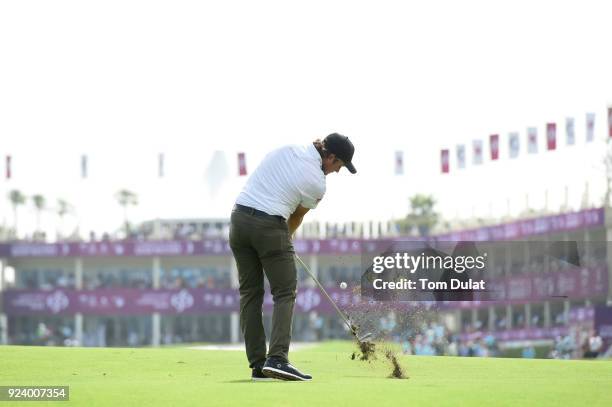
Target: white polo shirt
<point>287,177</point>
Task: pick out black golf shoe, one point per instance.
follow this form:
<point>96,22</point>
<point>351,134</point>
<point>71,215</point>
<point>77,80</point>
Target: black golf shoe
<point>279,369</point>
<point>258,376</point>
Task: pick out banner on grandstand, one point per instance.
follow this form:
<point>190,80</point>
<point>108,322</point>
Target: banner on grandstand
<point>575,285</point>
<point>448,271</point>
<point>125,301</point>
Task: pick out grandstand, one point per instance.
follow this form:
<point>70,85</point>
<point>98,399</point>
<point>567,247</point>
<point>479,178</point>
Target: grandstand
<point>182,287</point>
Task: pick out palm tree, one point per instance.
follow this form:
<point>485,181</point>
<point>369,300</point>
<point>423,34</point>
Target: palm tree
<point>17,198</point>
<point>125,199</point>
<point>422,214</point>
<point>63,208</point>
<point>39,204</point>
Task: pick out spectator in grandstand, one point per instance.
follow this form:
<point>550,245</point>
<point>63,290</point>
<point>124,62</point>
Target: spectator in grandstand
<point>501,323</point>
<point>452,348</point>
<point>528,352</point>
<point>491,344</point>
<point>594,345</point>
<point>565,347</point>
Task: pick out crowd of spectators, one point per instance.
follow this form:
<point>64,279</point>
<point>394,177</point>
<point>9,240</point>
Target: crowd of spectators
<point>578,343</point>
<point>187,230</point>
<point>434,339</point>
<point>201,277</point>
<point>46,279</point>
<point>540,265</point>
<point>49,333</point>
<point>332,276</point>
<point>557,319</point>
<point>210,229</point>
<point>138,278</point>
<point>428,336</point>
<point>117,278</point>
<point>210,277</point>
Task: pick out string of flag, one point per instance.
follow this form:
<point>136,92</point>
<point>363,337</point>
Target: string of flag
<point>477,149</point>
<point>514,143</point>
<point>84,165</point>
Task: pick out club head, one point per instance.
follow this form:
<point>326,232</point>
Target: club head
<point>363,337</point>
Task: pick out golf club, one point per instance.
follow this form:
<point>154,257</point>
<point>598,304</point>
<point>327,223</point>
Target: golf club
<point>351,327</point>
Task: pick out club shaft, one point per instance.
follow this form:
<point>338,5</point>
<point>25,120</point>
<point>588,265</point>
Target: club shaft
<point>350,326</point>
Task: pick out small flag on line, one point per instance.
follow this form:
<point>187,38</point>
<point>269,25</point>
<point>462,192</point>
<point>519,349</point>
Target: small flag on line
<point>513,144</point>
<point>494,146</point>
<point>399,163</point>
<point>160,165</point>
<point>590,127</point>
<point>242,168</point>
<point>8,167</point>
<point>477,152</point>
<point>532,140</point>
<point>460,156</point>
<point>551,136</point>
<point>570,137</point>
<point>83,166</point>
<point>444,161</point>
<point>610,121</point>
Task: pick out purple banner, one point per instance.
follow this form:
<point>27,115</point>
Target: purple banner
<point>573,284</point>
<point>515,230</point>
<point>530,227</point>
<point>138,302</point>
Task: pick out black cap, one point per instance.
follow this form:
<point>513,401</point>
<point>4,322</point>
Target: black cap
<point>342,147</point>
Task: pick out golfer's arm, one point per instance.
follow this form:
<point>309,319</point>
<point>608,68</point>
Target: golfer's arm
<point>295,219</point>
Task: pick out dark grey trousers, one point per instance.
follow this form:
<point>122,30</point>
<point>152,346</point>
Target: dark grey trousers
<point>262,244</point>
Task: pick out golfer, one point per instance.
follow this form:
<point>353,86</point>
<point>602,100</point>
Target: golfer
<point>287,184</point>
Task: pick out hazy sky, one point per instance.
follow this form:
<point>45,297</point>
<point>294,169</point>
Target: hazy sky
<point>122,81</point>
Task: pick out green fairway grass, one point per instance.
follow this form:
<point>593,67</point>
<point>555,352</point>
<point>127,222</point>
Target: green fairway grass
<point>188,377</point>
